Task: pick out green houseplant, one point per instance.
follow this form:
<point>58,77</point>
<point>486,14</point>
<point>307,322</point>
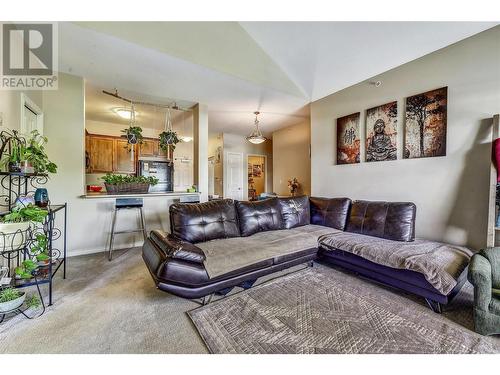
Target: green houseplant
<point>14,226</point>
<point>133,134</point>
<point>28,156</point>
<point>36,156</point>
<point>15,157</point>
<point>11,299</point>
<point>121,184</point>
<point>168,141</point>
<point>25,270</point>
<point>39,249</point>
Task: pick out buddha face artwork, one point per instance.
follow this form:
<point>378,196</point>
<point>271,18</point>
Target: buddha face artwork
<point>381,132</point>
<point>348,139</point>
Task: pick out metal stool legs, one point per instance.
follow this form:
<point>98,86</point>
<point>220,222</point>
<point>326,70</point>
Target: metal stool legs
<point>121,204</point>
<point>110,253</point>
<point>143,222</point>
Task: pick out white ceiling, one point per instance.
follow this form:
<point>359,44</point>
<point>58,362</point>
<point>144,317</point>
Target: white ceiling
<point>237,68</point>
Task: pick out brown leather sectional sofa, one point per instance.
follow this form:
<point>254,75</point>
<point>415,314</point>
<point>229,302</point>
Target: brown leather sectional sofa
<point>218,245</point>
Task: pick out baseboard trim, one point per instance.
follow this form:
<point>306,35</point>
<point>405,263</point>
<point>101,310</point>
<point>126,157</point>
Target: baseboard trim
<point>75,253</point>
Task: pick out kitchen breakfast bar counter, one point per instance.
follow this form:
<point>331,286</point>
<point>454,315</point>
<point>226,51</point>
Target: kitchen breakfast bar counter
<point>174,194</point>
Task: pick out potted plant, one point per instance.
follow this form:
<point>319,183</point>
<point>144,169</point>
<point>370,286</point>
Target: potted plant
<point>133,134</point>
<point>168,141</point>
<point>11,299</point>
<point>14,226</point>
<point>39,249</point>
<point>25,270</point>
<point>35,154</point>
<point>121,184</point>
<point>15,157</point>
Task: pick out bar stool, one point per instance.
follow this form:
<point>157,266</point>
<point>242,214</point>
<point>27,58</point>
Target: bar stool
<point>126,203</point>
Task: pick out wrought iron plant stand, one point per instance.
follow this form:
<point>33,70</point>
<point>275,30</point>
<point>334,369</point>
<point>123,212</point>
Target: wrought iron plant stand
<point>15,186</point>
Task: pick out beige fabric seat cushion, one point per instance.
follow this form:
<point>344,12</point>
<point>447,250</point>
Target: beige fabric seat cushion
<point>229,254</point>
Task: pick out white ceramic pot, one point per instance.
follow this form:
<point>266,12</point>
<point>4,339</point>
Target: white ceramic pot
<point>13,236</point>
<point>12,305</point>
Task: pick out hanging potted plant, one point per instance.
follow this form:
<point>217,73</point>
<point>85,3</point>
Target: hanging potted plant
<point>15,225</point>
<point>168,138</point>
<point>133,134</point>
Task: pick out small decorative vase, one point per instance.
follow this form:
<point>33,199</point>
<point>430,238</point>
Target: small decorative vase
<point>41,197</point>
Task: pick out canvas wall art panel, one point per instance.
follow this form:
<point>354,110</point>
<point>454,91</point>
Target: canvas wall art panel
<point>382,132</point>
<point>348,139</point>
<point>425,125</point>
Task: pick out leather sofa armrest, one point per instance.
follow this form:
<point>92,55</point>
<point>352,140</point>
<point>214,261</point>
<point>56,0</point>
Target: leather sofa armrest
<point>177,249</point>
<point>480,276</point>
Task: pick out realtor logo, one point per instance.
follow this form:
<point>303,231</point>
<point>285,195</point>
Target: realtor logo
<point>29,56</point>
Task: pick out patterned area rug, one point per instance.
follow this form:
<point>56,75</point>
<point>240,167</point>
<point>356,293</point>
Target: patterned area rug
<point>325,310</point>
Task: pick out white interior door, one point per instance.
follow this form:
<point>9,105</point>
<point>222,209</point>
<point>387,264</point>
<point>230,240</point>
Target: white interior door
<point>234,175</point>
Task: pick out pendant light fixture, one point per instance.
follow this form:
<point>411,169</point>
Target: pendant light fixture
<point>256,136</point>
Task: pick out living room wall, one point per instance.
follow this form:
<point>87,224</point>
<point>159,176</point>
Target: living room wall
<point>451,192</point>
<point>291,158</point>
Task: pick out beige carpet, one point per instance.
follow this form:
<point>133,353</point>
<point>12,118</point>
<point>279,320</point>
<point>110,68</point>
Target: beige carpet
<point>106,307</point>
<point>113,307</point>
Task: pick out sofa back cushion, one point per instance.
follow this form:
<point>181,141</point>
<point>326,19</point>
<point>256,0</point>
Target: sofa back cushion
<point>295,211</point>
<point>389,220</point>
<point>330,212</point>
<point>259,216</point>
<point>204,221</point>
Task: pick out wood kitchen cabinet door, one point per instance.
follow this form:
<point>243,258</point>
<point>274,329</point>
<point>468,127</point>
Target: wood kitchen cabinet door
<point>124,161</point>
<point>101,154</point>
<point>149,147</point>
<point>88,150</point>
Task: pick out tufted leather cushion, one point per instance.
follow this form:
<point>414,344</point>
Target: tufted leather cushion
<point>204,221</point>
<point>330,212</point>
<point>295,211</point>
<point>389,220</point>
<point>259,216</point>
<point>175,248</point>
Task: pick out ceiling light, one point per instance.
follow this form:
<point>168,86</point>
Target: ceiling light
<point>125,113</point>
<point>256,136</point>
<point>185,138</point>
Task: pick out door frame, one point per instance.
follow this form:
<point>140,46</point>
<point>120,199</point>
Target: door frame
<point>226,180</point>
<point>265,170</point>
<point>26,102</point>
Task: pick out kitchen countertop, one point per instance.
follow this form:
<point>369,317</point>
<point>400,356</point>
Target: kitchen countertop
<point>93,195</point>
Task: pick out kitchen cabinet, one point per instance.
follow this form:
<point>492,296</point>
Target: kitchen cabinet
<point>149,147</point>
<point>108,154</point>
<point>101,154</point>
<point>88,149</point>
<point>123,160</point>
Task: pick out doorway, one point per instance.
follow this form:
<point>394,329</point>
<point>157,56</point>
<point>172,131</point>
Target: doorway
<point>257,175</point>
<point>233,175</point>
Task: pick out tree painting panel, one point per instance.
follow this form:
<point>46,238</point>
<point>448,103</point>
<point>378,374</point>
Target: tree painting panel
<point>425,134</point>
<point>381,132</point>
<point>348,139</point>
